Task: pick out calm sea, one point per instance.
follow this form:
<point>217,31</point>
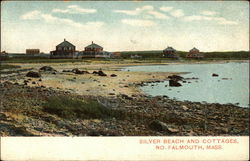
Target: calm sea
<point>231,86</point>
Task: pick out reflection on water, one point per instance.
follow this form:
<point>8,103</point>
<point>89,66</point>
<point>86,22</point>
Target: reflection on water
<point>231,86</point>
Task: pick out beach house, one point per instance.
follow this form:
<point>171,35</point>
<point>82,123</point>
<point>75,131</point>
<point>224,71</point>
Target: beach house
<point>194,53</point>
<point>94,51</point>
<point>170,52</point>
<point>64,50</point>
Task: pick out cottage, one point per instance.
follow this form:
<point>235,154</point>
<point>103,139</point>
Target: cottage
<point>32,51</point>
<point>94,51</point>
<point>64,50</point>
<point>170,52</point>
<point>194,53</point>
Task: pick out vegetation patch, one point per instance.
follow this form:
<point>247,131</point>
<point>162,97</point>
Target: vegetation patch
<point>70,108</point>
<point>7,66</point>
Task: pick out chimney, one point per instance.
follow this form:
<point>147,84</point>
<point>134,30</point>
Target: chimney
<point>92,42</point>
<point>64,39</point>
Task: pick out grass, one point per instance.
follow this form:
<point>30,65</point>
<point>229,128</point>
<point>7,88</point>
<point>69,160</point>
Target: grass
<point>7,66</point>
<point>71,108</point>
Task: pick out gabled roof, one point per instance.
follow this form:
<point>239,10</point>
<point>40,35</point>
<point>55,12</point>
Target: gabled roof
<point>65,44</point>
<point>93,45</point>
<point>169,49</point>
<point>194,49</point>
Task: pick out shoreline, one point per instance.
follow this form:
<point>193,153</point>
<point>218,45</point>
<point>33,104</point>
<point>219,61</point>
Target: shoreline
<point>133,113</point>
<point>137,116</point>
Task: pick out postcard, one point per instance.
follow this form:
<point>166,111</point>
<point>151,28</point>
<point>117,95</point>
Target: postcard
<point>124,80</point>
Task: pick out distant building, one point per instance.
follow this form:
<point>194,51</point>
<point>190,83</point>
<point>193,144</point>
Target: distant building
<point>4,53</point>
<point>135,56</point>
<point>64,50</point>
<point>94,51</point>
<point>32,51</point>
<point>115,55</point>
<point>170,52</point>
<point>194,53</point>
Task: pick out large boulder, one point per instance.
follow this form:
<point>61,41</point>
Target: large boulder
<point>174,83</point>
<point>33,74</point>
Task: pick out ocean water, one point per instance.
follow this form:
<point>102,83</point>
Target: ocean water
<point>231,86</point>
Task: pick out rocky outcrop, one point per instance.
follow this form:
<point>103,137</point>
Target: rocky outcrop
<point>99,73</point>
<point>33,74</point>
<point>174,83</point>
<point>174,80</point>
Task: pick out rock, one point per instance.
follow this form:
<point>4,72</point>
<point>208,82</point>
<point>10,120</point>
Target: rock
<point>33,74</point>
<point>185,108</point>
<point>126,97</point>
<point>101,73</point>
<point>40,80</point>
<point>175,77</point>
<point>172,130</point>
<point>215,75</point>
<point>113,75</point>
<point>161,126</point>
<point>174,83</point>
<point>77,71</point>
<point>47,68</point>
<point>33,82</point>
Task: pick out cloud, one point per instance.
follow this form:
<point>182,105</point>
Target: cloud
<point>74,9</point>
<point>137,11</point>
<point>158,15</point>
<point>223,21</point>
<point>138,22</point>
<point>166,9</point>
<point>177,13</point>
<point>128,12</point>
<point>208,13</point>
<point>219,20</point>
<point>48,18</point>
<point>148,12</point>
<point>31,15</point>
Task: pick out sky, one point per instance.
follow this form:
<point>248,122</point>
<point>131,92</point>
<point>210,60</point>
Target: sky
<point>125,26</point>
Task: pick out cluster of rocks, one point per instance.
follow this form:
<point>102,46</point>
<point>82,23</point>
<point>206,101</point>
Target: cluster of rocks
<point>140,116</point>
